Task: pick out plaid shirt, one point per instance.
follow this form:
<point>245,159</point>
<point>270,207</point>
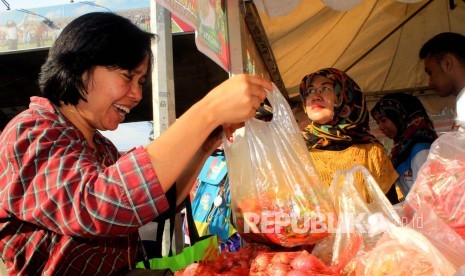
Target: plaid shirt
<point>65,208</point>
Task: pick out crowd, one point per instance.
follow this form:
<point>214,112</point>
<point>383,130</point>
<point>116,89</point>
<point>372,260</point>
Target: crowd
<point>42,33</point>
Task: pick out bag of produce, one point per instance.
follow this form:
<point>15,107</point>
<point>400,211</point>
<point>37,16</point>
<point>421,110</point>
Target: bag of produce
<point>404,251</point>
<point>444,238</point>
<point>359,225</point>
<point>276,193</point>
<point>440,183</point>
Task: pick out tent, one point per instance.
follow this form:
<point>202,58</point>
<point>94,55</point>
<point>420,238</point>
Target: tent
<point>376,43</point>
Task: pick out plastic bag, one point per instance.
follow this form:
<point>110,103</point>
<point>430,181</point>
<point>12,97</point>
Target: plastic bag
<point>446,240</point>
<point>440,183</point>
<point>276,193</point>
<point>404,251</point>
<point>360,224</point>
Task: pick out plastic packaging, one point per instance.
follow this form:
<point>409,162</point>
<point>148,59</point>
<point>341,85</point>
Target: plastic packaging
<point>276,192</point>
<point>440,183</point>
<point>446,240</point>
<point>404,251</point>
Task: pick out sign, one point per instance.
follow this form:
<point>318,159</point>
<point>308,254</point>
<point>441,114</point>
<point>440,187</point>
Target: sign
<point>208,18</point>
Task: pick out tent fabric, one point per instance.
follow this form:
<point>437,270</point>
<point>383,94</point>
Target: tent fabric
<point>370,41</point>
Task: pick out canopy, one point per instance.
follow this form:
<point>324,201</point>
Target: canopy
<point>376,42</point>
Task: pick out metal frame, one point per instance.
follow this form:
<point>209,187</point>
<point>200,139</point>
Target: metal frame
<point>164,112</point>
<point>252,18</point>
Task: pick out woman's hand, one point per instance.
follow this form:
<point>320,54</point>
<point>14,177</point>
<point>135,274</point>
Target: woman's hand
<point>237,99</point>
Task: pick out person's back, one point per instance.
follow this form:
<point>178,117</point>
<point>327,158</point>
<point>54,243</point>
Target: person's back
<point>403,118</point>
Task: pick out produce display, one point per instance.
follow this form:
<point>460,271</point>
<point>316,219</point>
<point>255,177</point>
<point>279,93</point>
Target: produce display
<point>289,263</point>
<point>228,263</point>
<point>257,260</point>
<point>278,220</point>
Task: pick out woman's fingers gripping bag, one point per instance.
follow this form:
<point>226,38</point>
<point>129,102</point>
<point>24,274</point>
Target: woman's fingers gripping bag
<point>276,193</point>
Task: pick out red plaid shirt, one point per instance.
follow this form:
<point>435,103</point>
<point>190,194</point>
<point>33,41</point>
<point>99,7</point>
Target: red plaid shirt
<point>65,208</point>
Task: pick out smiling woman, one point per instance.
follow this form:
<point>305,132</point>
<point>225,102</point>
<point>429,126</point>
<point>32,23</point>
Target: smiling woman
<point>337,135</point>
<point>70,204</point>
<point>403,118</point>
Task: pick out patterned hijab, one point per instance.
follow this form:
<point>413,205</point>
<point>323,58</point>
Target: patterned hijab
<point>349,124</point>
<point>413,123</point>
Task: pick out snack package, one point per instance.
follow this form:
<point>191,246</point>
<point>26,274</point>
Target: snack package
<point>276,193</point>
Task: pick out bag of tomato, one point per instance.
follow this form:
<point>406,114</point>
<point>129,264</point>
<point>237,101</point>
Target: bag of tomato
<point>276,193</point>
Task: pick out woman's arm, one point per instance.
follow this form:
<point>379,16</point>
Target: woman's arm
<point>190,174</point>
<point>234,101</point>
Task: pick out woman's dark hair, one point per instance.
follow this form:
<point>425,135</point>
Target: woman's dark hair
<point>93,39</point>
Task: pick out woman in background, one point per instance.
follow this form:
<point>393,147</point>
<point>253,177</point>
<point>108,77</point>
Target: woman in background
<point>337,134</point>
<point>403,118</point>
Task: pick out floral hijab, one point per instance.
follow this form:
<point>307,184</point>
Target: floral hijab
<point>413,123</point>
<point>349,124</point>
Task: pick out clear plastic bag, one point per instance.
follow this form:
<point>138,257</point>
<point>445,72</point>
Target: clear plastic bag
<point>360,224</point>
<point>404,251</point>
<point>276,193</point>
<point>446,240</point>
<point>440,183</point>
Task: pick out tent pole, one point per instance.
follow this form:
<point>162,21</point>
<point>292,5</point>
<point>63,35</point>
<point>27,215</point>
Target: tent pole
<point>235,38</point>
<point>252,18</point>
<point>163,103</point>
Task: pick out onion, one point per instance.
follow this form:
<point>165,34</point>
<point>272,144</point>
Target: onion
<point>309,263</point>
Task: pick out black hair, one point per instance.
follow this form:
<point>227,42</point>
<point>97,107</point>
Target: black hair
<point>93,39</point>
<point>443,43</point>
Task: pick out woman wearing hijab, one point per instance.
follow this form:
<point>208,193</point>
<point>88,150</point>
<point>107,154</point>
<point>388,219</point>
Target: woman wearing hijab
<point>337,134</point>
<point>403,118</point>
